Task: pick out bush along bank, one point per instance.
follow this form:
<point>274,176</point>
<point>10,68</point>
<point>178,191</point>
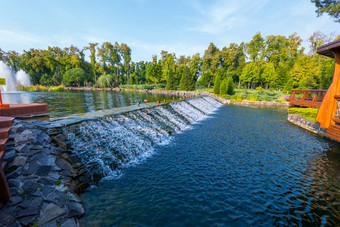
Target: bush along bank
<point>41,178</point>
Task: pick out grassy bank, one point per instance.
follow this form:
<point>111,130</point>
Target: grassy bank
<point>41,88</point>
<point>308,113</point>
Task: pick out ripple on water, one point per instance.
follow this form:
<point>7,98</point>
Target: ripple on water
<point>244,166</point>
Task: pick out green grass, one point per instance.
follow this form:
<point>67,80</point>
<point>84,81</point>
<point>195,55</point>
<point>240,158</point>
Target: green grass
<point>254,95</point>
<point>41,88</point>
<point>308,113</point>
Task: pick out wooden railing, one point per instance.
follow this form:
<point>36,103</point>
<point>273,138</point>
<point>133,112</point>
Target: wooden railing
<point>307,98</point>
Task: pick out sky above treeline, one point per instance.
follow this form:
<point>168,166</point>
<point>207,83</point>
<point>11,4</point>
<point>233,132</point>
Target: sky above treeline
<point>184,27</point>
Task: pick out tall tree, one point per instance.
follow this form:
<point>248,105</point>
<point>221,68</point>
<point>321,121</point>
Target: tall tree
<point>154,70</point>
<point>92,48</point>
<point>255,47</point>
<point>331,7</point>
<point>187,82</point>
<point>126,54</point>
<point>211,60</point>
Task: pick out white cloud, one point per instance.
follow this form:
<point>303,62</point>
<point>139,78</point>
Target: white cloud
<point>225,15</point>
<point>146,50</point>
<point>15,37</point>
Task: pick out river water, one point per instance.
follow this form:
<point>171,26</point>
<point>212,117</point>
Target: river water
<point>68,103</point>
<point>241,166</point>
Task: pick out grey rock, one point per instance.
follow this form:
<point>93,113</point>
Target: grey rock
<point>54,174</point>
<point>14,174</point>
<point>63,164</point>
<point>59,138</point>
<point>65,155</point>
<point>23,148</point>
<point>43,170</point>
<point>14,224</point>
<point>27,185</point>
<point>9,155</point>
<point>46,160</point>
<point>27,221</point>
<point>56,197</point>
<point>18,161</point>
<point>23,138</point>
<point>73,197</point>
<point>14,200</point>
<point>47,180</point>
<point>43,138</point>
<point>14,182</point>
<point>47,190</point>
<point>32,168</point>
<point>51,212</point>
<point>51,224</point>
<point>28,212</point>
<point>17,129</point>
<point>75,210</point>
<point>35,202</point>
<point>37,147</point>
<point>69,223</point>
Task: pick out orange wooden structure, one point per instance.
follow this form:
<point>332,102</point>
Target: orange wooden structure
<point>307,98</point>
<point>7,114</point>
<point>329,115</point>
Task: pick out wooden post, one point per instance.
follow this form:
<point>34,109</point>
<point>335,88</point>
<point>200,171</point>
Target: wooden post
<point>328,106</point>
<point>315,99</point>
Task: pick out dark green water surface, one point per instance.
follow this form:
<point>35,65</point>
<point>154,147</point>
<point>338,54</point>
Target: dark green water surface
<point>240,167</point>
<point>62,104</point>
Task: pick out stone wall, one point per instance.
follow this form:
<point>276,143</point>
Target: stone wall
<point>40,177</point>
<point>306,124</point>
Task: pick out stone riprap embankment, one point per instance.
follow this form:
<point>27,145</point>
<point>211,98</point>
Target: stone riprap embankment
<point>40,178</point>
<point>306,124</point>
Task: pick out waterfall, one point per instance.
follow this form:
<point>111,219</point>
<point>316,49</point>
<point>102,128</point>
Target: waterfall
<point>107,145</point>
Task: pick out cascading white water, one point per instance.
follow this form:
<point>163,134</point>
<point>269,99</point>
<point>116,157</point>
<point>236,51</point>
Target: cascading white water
<point>12,79</point>
<point>111,143</point>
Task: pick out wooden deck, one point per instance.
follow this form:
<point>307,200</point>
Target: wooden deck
<point>21,110</point>
<point>307,98</point>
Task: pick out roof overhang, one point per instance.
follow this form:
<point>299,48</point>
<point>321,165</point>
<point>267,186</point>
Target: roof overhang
<point>329,48</point>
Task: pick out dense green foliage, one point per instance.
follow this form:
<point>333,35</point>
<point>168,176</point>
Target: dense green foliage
<point>272,62</point>
<point>332,7</point>
<point>308,113</point>
<point>187,83</point>
<point>254,95</point>
<point>230,86</point>
<point>223,87</point>
<point>74,76</point>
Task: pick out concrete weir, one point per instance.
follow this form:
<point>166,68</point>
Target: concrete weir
<point>48,168</point>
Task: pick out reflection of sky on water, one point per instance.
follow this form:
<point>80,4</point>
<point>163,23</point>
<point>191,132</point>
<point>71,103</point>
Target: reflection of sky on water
<point>16,97</point>
<point>62,104</point>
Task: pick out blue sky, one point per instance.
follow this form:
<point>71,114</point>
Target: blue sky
<point>184,27</point>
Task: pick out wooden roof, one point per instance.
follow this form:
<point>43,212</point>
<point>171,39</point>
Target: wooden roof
<point>328,49</point>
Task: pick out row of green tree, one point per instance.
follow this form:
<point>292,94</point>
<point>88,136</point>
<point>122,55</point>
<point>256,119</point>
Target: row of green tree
<point>275,61</point>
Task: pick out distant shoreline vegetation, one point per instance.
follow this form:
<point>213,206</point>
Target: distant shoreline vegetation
<point>272,62</point>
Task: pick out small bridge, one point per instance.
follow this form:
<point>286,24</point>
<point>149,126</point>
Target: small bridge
<point>307,98</point>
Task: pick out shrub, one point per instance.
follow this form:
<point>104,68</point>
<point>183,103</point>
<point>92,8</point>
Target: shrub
<point>230,86</point>
<point>289,85</point>
<point>253,97</point>
<point>187,83</point>
<point>223,87</point>
<point>105,80</point>
<point>217,84</point>
<point>74,76</point>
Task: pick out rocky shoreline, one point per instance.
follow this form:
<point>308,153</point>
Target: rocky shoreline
<point>306,124</point>
<point>41,177</point>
